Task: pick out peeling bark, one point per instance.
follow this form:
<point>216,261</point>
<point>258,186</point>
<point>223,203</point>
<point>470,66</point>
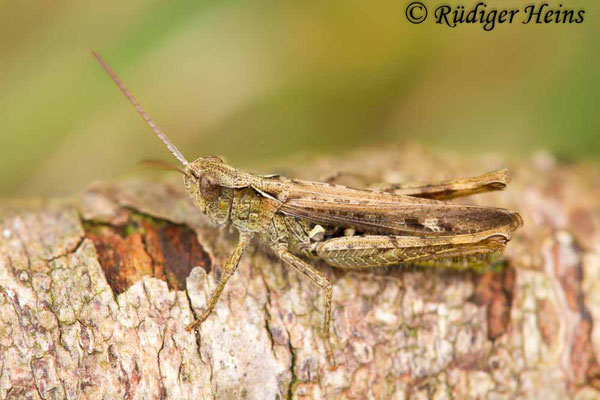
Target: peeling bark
<point>95,294</point>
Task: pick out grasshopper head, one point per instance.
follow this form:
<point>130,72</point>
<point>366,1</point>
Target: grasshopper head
<point>201,181</point>
<point>211,183</point>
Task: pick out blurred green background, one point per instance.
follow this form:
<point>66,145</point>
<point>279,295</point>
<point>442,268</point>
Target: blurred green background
<point>258,81</point>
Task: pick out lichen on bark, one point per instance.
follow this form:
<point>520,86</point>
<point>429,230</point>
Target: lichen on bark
<point>95,293</point>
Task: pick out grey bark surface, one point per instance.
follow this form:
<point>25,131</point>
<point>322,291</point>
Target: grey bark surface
<point>95,293</point>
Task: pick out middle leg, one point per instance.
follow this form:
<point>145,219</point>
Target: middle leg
<point>319,279</point>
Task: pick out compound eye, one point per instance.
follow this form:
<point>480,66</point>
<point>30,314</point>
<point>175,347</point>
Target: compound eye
<point>209,188</point>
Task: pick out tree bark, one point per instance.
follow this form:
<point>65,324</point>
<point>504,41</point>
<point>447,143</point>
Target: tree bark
<point>95,293</point>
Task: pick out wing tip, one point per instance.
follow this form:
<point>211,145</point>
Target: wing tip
<point>516,220</point>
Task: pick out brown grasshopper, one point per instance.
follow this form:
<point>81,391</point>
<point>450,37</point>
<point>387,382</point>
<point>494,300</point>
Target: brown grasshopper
<point>345,227</point>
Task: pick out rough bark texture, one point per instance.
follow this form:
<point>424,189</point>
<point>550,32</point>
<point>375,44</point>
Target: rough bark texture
<point>95,294</point>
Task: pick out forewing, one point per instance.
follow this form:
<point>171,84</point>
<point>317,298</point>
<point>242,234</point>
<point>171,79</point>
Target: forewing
<point>387,213</point>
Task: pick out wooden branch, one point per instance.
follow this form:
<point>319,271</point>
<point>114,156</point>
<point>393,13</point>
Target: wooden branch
<point>95,294</point>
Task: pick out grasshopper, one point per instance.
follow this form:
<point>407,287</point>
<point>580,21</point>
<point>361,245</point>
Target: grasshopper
<point>345,227</point>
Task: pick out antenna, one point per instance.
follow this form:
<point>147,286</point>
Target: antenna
<point>158,164</point>
<point>140,109</point>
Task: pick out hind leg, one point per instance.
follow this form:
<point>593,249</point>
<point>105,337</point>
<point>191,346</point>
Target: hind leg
<point>450,189</point>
